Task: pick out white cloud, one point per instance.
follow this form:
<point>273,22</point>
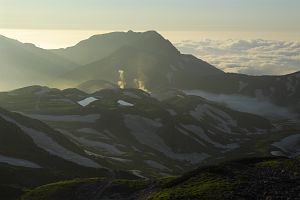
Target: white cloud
<point>254,57</point>
<point>246,104</point>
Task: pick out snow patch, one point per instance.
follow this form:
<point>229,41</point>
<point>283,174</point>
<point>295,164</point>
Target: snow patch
<point>290,144</point>
<point>18,162</point>
<point>125,103</point>
<point>145,131</point>
<point>108,148</point>
<point>222,119</point>
<point>277,153</point>
<point>97,145</point>
<point>66,118</point>
<point>197,130</point>
<point>138,173</point>
<point>43,141</point>
<point>87,101</point>
<point>120,159</point>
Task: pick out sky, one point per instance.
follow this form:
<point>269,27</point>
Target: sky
<point>60,23</point>
<point>184,15</point>
<point>186,23</point>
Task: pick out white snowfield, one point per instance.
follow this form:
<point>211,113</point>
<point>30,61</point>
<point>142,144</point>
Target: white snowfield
<point>223,121</point>
<point>138,173</point>
<point>18,162</point>
<point>43,141</point>
<point>185,132</point>
<point>97,145</point>
<point>125,103</point>
<point>197,130</point>
<point>66,118</point>
<point>290,144</point>
<point>145,131</point>
<point>87,101</point>
<point>100,146</point>
<point>277,153</point>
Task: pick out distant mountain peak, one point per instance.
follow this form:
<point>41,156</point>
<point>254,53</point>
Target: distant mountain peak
<point>100,46</point>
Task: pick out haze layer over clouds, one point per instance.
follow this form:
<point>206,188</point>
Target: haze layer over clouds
<point>254,57</point>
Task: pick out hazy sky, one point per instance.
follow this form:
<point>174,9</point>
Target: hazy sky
<point>184,15</point>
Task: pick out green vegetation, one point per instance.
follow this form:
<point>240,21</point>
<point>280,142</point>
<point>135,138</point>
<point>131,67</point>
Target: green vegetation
<point>204,186</point>
<point>280,163</point>
<point>251,178</point>
<point>65,189</point>
<point>269,164</point>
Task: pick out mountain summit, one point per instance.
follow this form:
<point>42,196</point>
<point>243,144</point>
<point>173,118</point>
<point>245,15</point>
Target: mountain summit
<point>101,46</point>
<point>146,60</point>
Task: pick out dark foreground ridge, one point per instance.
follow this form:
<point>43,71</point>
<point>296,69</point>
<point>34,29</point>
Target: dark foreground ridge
<point>254,178</point>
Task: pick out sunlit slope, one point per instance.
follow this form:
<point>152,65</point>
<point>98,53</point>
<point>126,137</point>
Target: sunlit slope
<point>25,64</point>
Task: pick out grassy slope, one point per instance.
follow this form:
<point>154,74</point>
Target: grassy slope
<point>255,178</point>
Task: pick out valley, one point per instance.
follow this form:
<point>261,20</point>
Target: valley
<point>127,112</point>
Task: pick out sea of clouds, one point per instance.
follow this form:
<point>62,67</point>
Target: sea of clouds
<point>252,105</point>
<point>253,57</point>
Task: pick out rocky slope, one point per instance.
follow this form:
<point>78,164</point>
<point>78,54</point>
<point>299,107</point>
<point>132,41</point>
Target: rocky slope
<point>175,133</point>
<point>32,153</point>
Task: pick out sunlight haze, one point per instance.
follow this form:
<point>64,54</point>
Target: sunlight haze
<point>192,15</point>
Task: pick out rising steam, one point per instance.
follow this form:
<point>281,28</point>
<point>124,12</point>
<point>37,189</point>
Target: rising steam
<point>140,81</point>
<point>121,82</point>
<point>140,84</point>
